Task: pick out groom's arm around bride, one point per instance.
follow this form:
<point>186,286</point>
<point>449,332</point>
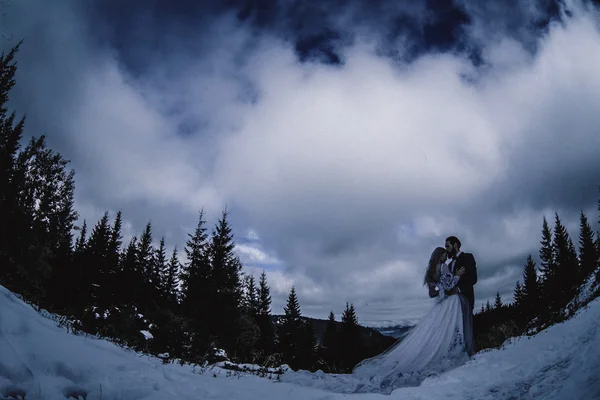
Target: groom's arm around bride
<point>469,278</point>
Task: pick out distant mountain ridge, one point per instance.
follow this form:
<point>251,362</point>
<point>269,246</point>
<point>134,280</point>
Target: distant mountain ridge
<point>380,334</point>
<point>397,331</point>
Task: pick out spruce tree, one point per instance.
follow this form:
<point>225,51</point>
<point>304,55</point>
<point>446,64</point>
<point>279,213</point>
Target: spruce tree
<point>63,275</point>
<point>567,267</point>
<point>250,298</point>
<point>598,251</point>
<point>264,295</point>
<point>351,340</point>
<point>114,247</point>
<point>82,240</point>
<point>488,307</point>
<point>171,282</point>
<point>161,268</point>
<point>498,301</point>
<point>530,292</point>
<point>308,347</point>
<point>146,259</point>
<point>45,211</point>
<point>588,252</point>
<point>77,295</point>
<point>546,251</point>
<point>330,345</point>
<point>79,290</point>
<point>226,268</point>
<point>518,295</point>
<point>263,318</point>
<point>198,303</point>
<point>598,242</point>
<point>132,289</point>
<point>12,217</point>
<point>97,267</point>
<point>113,265</point>
<point>547,269</point>
<point>131,278</point>
<point>292,309</point>
<point>290,332</point>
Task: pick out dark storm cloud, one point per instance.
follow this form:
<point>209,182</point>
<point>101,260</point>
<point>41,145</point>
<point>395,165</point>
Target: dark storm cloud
<point>342,136</point>
<point>321,31</point>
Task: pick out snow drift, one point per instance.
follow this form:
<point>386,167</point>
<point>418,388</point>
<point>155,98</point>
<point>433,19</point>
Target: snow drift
<point>40,359</point>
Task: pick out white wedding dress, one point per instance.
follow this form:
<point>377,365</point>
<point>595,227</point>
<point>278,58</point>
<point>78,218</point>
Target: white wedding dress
<point>436,344</point>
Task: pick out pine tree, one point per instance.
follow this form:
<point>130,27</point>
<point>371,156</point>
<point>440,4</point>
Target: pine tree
<point>482,309</point>
<point>330,345</point>
<point>292,309</point>
<point>518,295</point>
<point>351,340</point>
<point>308,347</point>
<point>598,243</point>
<point>264,295</point>
<point>226,268</point>
<point>13,226</point>
<point>79,290</point>
<point>598,251</point>
<point>63,275</point>
<point>250,298</point>
<point>546,251</point>
<point>171,282</point>
<point>498,301</point>
<point>131,277</point>
<point>588,252</point>
<point>82,241</point>
<point>567,267</point>
<point>77,295</point>
<point>160,267</point>
<point>548,269</point>
<point>97,267</point>
<point>198,291</point>
<point>131,289</point>
<point>114,247</point>
<point>530,289</point>
<point>488,307</point>
<point>146,257</point>
<point>290,332</point>
<point>113,265</point>
<point>263,319</point>
<point>44,209</point>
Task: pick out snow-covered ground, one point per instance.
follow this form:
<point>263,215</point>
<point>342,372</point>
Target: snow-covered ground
<point>41,358</point>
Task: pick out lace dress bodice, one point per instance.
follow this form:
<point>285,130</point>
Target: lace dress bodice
<point>447,279</point>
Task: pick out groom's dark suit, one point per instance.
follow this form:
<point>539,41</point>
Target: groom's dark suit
<point>469,278</point>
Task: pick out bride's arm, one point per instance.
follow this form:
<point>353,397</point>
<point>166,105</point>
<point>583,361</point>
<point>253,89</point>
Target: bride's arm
<point>433,290</point>
<point>448,280</point>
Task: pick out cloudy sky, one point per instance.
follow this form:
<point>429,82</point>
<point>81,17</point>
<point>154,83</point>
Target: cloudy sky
<point>347,139</point>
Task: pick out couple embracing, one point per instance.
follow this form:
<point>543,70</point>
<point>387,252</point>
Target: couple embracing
<point>442,340</point>
<point>454,272</point>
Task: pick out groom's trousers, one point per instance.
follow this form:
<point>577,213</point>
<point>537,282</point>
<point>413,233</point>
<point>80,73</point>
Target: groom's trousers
<point>467,313</point>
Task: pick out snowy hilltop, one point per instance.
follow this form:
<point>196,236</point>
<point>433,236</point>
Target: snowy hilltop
<point>42,360</point>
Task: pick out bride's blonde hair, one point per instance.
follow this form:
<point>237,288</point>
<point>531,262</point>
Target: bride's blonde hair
<point>434,261</point>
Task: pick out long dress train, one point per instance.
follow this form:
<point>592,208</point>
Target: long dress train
<point>436,344</point>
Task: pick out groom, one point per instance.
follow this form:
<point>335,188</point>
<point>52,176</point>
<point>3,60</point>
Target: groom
<point>459,259</point>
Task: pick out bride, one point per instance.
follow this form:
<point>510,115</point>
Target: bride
<point>437,343</point>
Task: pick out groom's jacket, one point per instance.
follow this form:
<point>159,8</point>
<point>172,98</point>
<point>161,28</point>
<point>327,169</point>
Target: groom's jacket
<point>469,278</point>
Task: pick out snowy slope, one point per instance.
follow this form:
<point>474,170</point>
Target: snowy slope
<point>42,359</point>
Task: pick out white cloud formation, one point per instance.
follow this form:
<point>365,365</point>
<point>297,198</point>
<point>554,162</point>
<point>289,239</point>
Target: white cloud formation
<point>352,175</point>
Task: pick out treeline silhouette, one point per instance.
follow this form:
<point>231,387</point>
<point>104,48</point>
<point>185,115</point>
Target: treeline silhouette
<point>202,310</point>
<point>566,280</point>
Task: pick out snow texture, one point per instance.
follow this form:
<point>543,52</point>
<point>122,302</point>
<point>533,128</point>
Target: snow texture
<point>42,360</point>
